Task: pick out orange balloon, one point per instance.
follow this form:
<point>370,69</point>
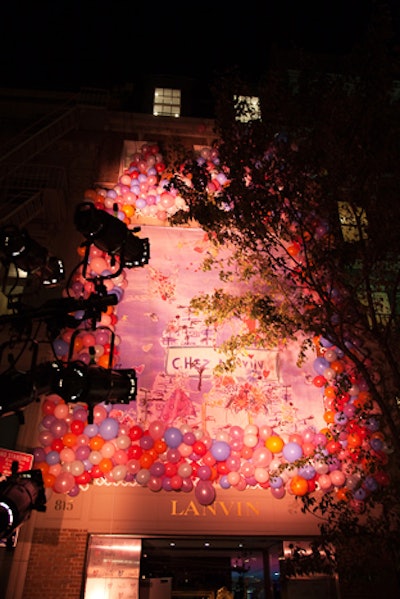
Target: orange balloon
<point>330,392</point>
<point>43,466</point>
<point>342,494</point>
<point>353,440</point>
<point>104,361</point>
<point>128,210</point>
<point>48,479</point>
<point>69,440</point>
<point>329,416</point>
<point>299,485</point>
<point>106,465</point>
<point>160,446</point>
<point>96,443</point>
<point>146,460</point>
<point>274,443</point>
<point>337,366</point>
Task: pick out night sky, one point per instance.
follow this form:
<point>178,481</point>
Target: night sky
<point>67,44</point>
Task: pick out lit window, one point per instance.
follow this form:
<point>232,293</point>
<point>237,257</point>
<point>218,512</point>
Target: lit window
<point>247,108</point>
<point>167,102</point>
<point>353,222</point>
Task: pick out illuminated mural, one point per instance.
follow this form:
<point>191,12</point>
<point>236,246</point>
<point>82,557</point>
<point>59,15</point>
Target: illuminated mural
<point>269,424</point>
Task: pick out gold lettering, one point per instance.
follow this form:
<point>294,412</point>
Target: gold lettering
<point>238,508</point>
<point>213,508</point>
<point>174,503</point>
<point>192,508</point>
<point>226,510</point>
<point>251,507</point>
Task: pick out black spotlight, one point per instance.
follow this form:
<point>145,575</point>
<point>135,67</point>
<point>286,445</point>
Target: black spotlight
<point>111,235</point>
<point>20,493</point>
<point>91,384</point>
<point>29,256</point>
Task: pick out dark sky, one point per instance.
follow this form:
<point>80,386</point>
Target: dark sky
<point>66,44</point>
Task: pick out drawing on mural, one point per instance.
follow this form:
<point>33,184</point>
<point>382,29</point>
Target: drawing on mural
<point>177,381</point>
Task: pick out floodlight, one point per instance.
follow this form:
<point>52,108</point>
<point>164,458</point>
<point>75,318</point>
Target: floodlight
<point>111,235</point>
<point>29,256</point>
<point>91,384</point>
<point>20,493</point>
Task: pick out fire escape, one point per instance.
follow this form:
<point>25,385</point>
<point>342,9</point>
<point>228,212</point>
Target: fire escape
<point>34,195</point>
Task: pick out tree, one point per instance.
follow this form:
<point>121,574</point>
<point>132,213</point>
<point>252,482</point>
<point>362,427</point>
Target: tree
<point>306,200</point>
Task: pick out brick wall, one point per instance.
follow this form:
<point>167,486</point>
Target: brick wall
<point>56,564</point>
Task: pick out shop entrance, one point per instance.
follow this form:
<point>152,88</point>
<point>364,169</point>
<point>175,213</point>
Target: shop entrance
<point>210,568</point>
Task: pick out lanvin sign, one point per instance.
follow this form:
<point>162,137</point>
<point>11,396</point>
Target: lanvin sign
<point>220,508</point>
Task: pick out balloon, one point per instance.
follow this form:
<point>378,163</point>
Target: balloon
<point>119,472</point>
<point>108,428</point>
<point>173,437</point>
<point>220,450</point>
<point>204,492</point>
<point>156,429</point>
<point>320,364</point>
<point>204,472</point>
<point>58,428</point>
<point>274,443</point>
<point>53,457</point>
<point>338,478</point>
<point>278,492</point>
<point>292,451</point>
<point>77,468</point>
<point>298,485</point>
<point>64,482</point>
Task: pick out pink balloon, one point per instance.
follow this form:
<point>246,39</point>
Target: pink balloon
<point>67,455</point>
<point>233,478</point>
<point>61,411</point>
<point>156,429</point>
<point>338,478</point>
<point>278,493</point>
<point>262,457</point>
<point>64,482</point>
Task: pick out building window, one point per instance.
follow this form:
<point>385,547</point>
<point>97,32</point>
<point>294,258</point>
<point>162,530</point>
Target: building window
<point>380,306</point>
<point>167,102</point>
<point>247,108</point>
<point>112,567</point>
<point>353,222</point>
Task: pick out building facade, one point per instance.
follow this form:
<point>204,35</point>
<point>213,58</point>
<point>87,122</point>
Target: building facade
<point>116,535</point>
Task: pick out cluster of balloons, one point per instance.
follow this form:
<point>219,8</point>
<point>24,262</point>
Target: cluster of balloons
<point>347,457</point>
<point>73,453</point>
<point>143,188</point>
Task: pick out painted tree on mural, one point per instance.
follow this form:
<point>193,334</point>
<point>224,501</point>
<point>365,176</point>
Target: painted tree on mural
<point>306,200</point>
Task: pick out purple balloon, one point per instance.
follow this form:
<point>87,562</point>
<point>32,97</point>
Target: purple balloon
<point>204,472</point>
<point>220,450</point>
<point>108,428</point>
<point>204,492</point>
<point>173,437</point>
<point>292,451</point>
<point>53,457</point>
<point>39,454</point>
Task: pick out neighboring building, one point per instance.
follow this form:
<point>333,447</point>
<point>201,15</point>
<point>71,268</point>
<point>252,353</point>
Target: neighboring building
<point>119,539</point>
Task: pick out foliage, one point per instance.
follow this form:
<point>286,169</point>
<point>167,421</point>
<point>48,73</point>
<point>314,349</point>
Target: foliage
<point>327,140</point>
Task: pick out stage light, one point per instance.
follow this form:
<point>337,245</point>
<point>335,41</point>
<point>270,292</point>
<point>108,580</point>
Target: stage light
<point>20,493</point>
<point>29,256</point>
<point>111,235</point>
<point>91,384</point>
